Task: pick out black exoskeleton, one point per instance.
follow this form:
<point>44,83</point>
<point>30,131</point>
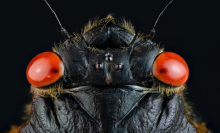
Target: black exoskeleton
<point>108,86</point>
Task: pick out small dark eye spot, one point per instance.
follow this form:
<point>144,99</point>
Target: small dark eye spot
<point>98,66</point>
<point>119,66</point>
<point>54,71</point>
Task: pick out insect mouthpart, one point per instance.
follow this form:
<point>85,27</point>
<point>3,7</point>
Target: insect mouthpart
<point>108,79</point>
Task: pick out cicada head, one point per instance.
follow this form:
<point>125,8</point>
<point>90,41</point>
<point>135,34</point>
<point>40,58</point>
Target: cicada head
<point>108,52</point>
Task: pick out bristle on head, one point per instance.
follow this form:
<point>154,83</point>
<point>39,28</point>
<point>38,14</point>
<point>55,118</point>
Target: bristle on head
<point>75,42</point>
<point>168,90</point>
<point>53,91</point>
<point>103,22</point>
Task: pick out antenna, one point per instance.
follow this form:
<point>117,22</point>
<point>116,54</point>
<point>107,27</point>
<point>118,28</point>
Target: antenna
<point>153,31</point>
<point>63,30</point>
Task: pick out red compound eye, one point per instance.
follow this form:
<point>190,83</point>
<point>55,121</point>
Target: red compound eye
<point>44,69</point>
<point>170,68</point>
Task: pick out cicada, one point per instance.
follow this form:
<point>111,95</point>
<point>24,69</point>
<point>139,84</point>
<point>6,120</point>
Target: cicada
<point>108,79</point>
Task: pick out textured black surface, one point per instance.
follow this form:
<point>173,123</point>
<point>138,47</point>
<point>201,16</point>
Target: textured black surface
<point>135,54</point>
<point>152,114</point>
<point>108,100</point>
<point>112,37</point>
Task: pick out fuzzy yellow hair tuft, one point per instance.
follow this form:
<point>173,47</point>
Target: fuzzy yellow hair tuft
<point>167,91</point>
<point>53,91</point>
<point>103,22</point>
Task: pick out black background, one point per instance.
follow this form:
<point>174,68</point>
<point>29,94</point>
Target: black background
<point>188,27</point>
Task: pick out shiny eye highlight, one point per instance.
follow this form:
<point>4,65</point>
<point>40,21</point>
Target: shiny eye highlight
<point>119,66</point>
<point>170,68</point>
<point>98,66</point>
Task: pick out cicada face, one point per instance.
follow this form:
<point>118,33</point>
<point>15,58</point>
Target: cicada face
<point>108,79</point>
